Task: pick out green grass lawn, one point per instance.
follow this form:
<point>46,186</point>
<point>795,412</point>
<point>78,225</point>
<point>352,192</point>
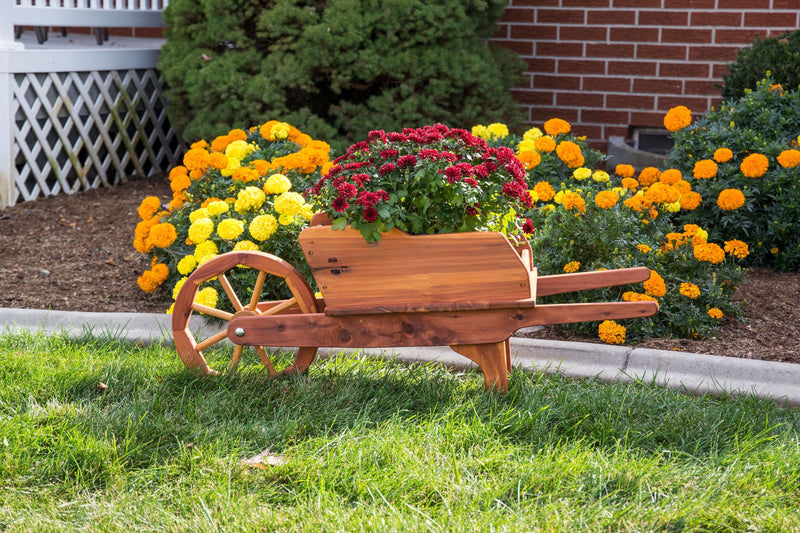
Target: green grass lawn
<point>374,446</point>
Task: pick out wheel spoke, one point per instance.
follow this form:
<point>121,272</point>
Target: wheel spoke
<point>285,304</point>
<point>262,277</point>
<point>262,353</point>
<point>226,285</point>
<point>213,311</point>
<point>237,355</point>
<point>212,340</point>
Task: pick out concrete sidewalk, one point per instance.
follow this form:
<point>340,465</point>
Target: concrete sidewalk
<point>687,372</point>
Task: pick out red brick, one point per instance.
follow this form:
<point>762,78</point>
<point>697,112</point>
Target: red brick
<point>537,64</point>
<point>540,115</point>
<point>673,35</point>
<point>502,32</point>
<point>586,3</point>
<point>532,97</point>
<point>715,18</point>
<point>784,4</point>
<point>579,99</point>
<point>643,68</point>
<point>537,3</point>
<point>661,17</point>
<point>545,81</point>
<point>660,51</point>
<point>604,116</point>
<point>712,53</point>
<point>690,4</point>
<point>513,14</point>
<point>683,70</point>
<point>559,49</point>
<point>718,71</point>
<point>616,51</point>
<point>743,4</point>
<point>523,48</point>
<point>696,104</point>
<point>657,86</point>
<point>740,37</point>
<point>715,102</point>
<point>629,101</point>
<point>608,84</point>
<point>533,31</point>
<point>591,132</point>
<point>561,16</point>
<point>637,3</point>
<point>634,34</point>
<point>653,119</point>
<point>581,66</point>
<point>619,131</point>
<point>711,88</point>
<point>770,19</point>
<point>582,33</point>
<point>607,17</point>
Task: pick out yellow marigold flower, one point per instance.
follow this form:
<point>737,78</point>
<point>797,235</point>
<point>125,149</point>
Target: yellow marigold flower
<point>789,158</point>
<point>262,227</point>
<point>230,228</point>
<point>705,169</point>
<point>245,245</point>
<point>180,183</point>
<point>600,176</point>
<point>285,220</point>
<point>571,267</point>
<point>149,207</point>
<point>480,131</point>
<point>201,230</point>
<point>497,130</point>
<point>673,207</point>
<point>648,176</point>
<point>690,290</point>
<point>774,250</point>
<point>722,155</point>
<point>544,191</point>
<point>526,145</point>
<point>197,214</point>
<point>655,285</point>
<point>709,252</point>
<point>238,150</point>
<point>581,173</point>
<point>162,235</point>
<point>205,249</point>
<point>249,199</point>
<point>691,200</point>
<point>624,171</point>
<point>715,313</point>
<point>690,230</point>
<point>630,183</point>
<point>217,160</point>
<point>606,199</point>
<point>217,207</point>
<point>556,126</point>
<point>643,248</point>
<point>187,265</point>
<point>572,200</point>
<point>220,143</point>
<point>529,158</point>
<point>737,248</point>
<point>730,199</point>
<point>532,134</point>
<point>276,132</point>
<point>671,176</point>
<point>677,118</point>
<point>611,333</point>
<point>177,288</point>
<point>570,153</point>
<point>233,164</point>
<point>196,159</point>
<point>207,297</point>
<point>277,184</point>
<point>306,212</point>
<point>545,144</point>
<point>754,165</point>
<point>289,203</point>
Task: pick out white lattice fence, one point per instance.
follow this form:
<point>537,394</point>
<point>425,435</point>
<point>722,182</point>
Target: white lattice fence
<point>80,130</point>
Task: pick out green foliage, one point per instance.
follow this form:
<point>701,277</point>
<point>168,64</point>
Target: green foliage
<point>778,57</point>
<point>335,69</point>
<point>764,121</point>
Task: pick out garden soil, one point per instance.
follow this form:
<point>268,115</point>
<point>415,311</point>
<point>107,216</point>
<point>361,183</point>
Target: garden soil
<point>75,253</point>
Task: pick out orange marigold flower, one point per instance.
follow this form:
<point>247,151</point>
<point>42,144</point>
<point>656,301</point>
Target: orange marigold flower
<point>570,153</point>
<point>556,126</point>
<point>677,118</point>
<point>196,174</point>
<point>649,176</point>
<point>737,248</point>
<point>178,171</point>
<point>789,158</point>
<point>217,160</point>
<point>691,200</point>
<point>220,143</point>
<point>529,158</point>
<point>643,248</point>
<point>659,193</point>
<point>722,155</point>
<point>571,267</point>
<point>180,183</point>
<point>655,285</point>
<point>683,186</point>
<point>149,207</point>
<point>196,159</point>
<point>611,333</point>
<point>630,296</point>
<point>754,165</point>
<point>730,199</point>
<point>544,191</point>
<point>573,200</point>
<point>237,135</point>
<point>261,166</point>
<point>624,171</point>
<point>606,199</point>
<point>544,144</point>
<point>199,144</point>
<point>671,176</point>
<point>704,169</point>
<point>709,252</point>
<point>690,290</point>
<point>244,174</point>
<point>630,183</point>
<point>715,313</point>
<point>162,235</point>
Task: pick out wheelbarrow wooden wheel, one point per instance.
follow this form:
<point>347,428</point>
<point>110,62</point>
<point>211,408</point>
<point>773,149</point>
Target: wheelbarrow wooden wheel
<point>219,268</point>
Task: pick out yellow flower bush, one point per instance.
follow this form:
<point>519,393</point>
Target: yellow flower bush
<point>228,195</point>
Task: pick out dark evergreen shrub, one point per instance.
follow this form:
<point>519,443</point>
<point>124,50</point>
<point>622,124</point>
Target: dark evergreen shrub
<point>775,57</point>
<point>336,69</point>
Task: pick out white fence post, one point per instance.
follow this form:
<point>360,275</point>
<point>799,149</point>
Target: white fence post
<point>7,44</point>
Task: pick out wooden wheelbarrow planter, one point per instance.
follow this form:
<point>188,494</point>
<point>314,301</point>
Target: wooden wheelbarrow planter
<point>469,291</point>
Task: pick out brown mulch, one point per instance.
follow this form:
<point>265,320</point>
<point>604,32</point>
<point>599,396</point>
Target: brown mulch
<point>75,253</point>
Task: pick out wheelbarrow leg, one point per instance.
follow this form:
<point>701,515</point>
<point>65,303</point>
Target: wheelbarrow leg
<point>494,359</point>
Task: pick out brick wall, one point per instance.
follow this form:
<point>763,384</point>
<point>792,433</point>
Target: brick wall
<point>609,65</point>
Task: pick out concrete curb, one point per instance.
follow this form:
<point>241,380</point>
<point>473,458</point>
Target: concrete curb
<point>686,372</point>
